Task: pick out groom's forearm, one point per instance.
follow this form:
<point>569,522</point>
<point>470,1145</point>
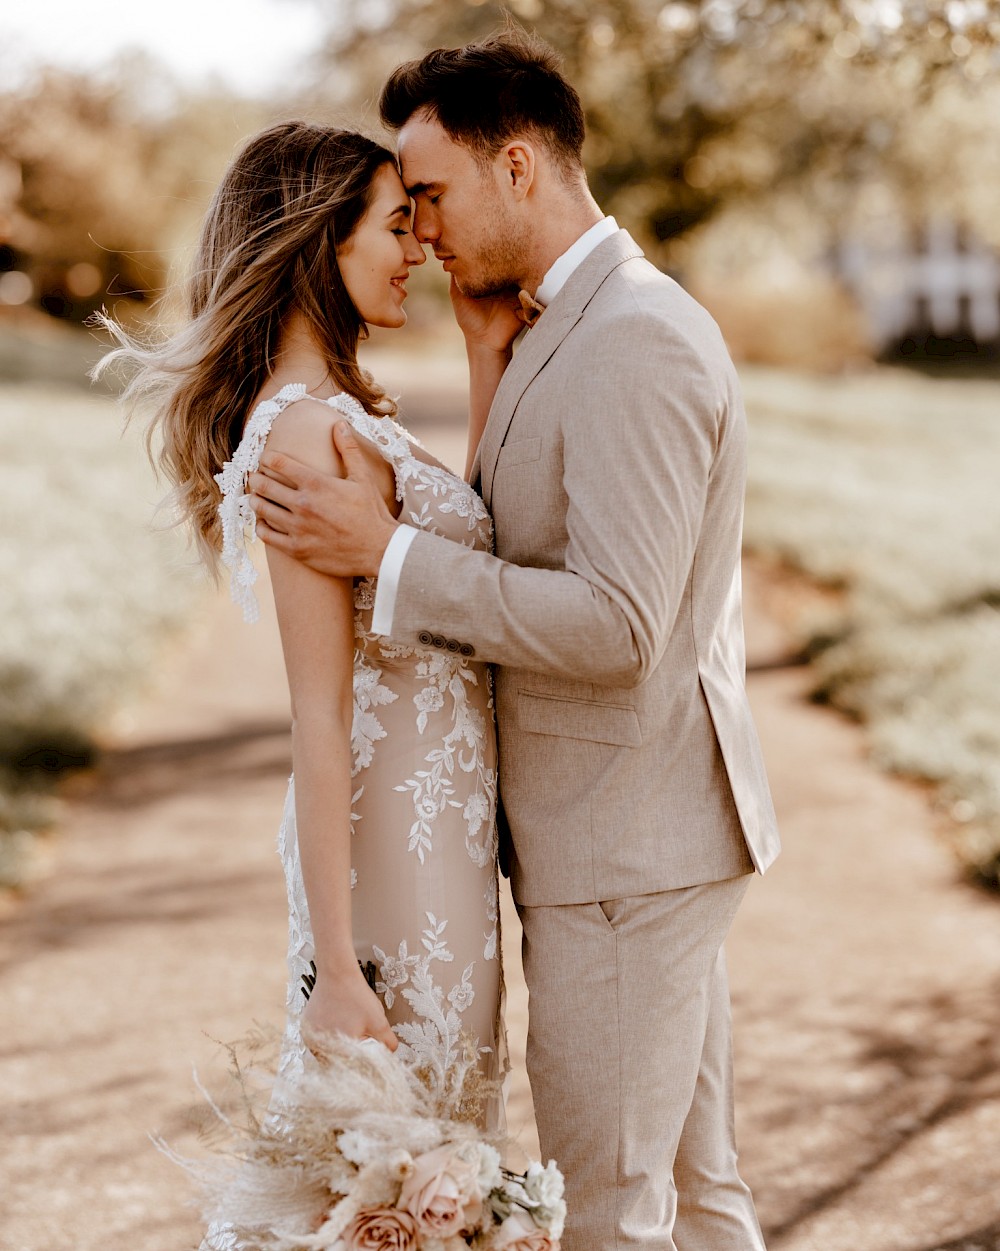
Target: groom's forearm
<point>547,620</point>
<point>632,475</point>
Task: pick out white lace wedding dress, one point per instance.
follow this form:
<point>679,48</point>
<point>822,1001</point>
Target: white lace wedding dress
<point>424,878</point>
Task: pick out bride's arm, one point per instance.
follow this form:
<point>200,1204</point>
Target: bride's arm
<point>486,368</point>
<point>490,326</point>
<point>316,620</point>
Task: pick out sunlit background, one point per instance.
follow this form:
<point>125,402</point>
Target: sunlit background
<point>825,177</point>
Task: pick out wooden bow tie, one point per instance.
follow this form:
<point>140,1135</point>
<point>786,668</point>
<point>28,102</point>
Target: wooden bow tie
<point>531,310</point>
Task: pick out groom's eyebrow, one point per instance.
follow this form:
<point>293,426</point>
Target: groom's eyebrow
<point>418,188</point>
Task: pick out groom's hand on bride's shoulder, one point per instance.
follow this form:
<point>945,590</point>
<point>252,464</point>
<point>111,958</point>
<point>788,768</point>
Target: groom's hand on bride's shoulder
<point>339,526</point>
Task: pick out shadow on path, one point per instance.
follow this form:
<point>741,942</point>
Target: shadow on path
<point>141,776</point>
<point>161,888</point>
<point>982,1240</point>
<point>925,1066</point>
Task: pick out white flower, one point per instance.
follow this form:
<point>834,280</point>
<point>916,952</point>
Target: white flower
<point>461,996</point>
<point>358,1147</point>
<point>394,972</point>
<point>544,1185</point>
<point>490,1173</point>
<point>476,811</point>
<point>428,806</point>
<point>429,699</point>
<point>544,1188</point>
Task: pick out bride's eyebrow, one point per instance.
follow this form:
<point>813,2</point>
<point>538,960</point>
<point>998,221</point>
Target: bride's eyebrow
<point>402,211</point>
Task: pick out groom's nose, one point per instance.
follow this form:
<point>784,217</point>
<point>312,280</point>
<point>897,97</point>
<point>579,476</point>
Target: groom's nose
<point>425,224</point>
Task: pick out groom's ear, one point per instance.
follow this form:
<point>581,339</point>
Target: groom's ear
<point>518,158</point>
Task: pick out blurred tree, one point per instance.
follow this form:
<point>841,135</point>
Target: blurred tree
<point>98,177</point>
<point>692,104</point>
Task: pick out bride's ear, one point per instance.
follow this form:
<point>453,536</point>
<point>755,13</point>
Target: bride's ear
<point>519,166</point>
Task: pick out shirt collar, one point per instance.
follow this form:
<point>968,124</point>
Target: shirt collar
<point>560,270</point>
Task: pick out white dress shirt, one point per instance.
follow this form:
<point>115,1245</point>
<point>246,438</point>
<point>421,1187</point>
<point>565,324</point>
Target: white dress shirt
<point>395,553</point>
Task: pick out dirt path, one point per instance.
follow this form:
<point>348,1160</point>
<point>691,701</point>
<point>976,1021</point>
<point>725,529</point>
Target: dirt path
<point>865,976</point>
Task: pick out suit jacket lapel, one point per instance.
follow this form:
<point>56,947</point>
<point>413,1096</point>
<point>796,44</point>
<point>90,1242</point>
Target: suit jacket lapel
<point>539,344</point>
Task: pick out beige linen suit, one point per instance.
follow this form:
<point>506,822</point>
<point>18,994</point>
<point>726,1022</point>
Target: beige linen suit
<point>631,776</point>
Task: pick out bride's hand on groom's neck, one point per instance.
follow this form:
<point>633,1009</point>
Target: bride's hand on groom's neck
<point>490,323</point>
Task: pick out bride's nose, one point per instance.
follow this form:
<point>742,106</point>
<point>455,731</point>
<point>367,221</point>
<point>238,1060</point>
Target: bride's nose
<point>414,252</point>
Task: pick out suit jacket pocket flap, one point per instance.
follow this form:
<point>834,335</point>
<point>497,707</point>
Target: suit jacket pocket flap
<point>519,453</point>
<point>574,718</point>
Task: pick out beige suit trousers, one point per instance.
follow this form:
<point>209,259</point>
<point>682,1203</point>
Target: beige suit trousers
<point>630,1062</point>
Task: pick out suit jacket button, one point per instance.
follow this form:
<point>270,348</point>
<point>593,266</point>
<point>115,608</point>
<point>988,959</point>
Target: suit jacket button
<point>467,649</point>
<point>438,640</point>
<point>425,637</point>
<point>453,645</point>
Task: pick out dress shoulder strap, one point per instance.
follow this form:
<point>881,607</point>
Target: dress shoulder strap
<point>239,522</point>
<point>390,438</point>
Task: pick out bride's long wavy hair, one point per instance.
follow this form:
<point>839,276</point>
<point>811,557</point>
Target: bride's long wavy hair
<point>290,198</point>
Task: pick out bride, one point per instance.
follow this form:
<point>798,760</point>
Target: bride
<point>388,837</point>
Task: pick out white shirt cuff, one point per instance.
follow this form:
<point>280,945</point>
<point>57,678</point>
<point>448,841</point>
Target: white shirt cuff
<point>388,578</point>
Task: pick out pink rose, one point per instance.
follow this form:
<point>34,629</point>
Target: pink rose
<point>381,1229</point>
<point>441,1193</point>
<point>520,1233</point>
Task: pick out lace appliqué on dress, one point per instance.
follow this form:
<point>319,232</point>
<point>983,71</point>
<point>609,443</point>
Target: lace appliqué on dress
<point>239,522</point>
<point>444,704</point>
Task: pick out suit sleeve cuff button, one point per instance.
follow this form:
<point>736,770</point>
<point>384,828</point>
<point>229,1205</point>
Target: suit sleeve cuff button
<point>425,637</point>
<point>467,649</point>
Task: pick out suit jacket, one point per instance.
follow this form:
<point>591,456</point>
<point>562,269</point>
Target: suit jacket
<point>613,462</point>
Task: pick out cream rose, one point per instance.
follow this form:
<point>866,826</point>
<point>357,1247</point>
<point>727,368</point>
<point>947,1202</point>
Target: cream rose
<point>441,1194</point>
<point>520,1233</point>
<point>381,1229</point>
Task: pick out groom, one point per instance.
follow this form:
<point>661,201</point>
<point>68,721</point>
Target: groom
<point>613,462</point>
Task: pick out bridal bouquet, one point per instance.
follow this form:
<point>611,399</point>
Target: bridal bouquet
<point>355,1155</point>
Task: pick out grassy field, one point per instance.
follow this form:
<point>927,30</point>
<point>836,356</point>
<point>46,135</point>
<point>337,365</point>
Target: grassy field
<point>884,486</point>
<point>89,589</point>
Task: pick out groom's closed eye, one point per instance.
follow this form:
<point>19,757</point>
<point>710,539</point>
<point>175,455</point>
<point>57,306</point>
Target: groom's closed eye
<point>431,190</point>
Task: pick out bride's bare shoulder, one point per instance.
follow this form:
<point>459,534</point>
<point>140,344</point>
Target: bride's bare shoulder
<point>304,430</point>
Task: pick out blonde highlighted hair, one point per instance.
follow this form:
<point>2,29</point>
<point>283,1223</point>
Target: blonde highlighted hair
<point>290,198</point>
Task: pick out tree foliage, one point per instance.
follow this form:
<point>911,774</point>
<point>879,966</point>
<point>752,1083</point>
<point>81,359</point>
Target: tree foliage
<point>692,104</point>
<point>100,174</point>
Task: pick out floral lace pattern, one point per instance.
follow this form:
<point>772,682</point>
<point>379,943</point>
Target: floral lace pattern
<point>424,878</point>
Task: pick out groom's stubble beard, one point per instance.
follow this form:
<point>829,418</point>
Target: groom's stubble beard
<point>498,264</point>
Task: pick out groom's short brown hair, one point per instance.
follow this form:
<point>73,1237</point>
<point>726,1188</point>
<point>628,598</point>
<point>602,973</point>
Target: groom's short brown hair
<point>485,93</point>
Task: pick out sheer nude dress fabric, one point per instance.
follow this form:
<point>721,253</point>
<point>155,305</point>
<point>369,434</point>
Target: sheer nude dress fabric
<point>423,831</point>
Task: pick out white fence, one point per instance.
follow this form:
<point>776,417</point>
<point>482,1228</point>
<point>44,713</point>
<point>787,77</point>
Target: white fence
<point>948,286</point>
